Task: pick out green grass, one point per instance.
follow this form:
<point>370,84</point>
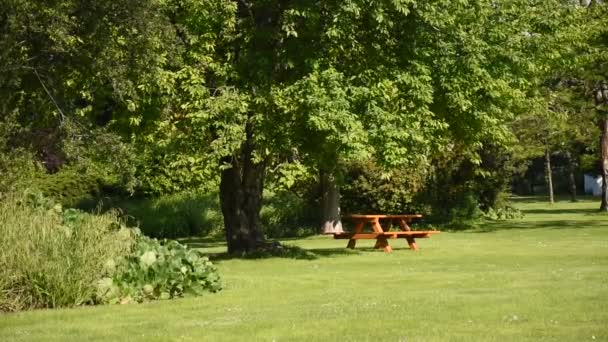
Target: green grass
<point>543,277</point>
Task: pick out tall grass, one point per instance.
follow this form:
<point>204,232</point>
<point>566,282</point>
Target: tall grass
<point>52,258</point>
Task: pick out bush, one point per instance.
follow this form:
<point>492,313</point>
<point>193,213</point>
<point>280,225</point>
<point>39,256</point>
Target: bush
<point>504,213</point>
<point>173,216</point>
<point>198,213</point>
<point>70,186</point>
<point>465,214</point>
<point>53,257</point>
<point>285,214</point>
<point>368,189</point>
<point>157,270</point>
<point>18,170</point>
<point>463,186</point>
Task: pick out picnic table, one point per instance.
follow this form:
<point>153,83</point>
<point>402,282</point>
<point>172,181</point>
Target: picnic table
<point>382,234</point>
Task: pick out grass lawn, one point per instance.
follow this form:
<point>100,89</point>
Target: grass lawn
<point>543,277</point>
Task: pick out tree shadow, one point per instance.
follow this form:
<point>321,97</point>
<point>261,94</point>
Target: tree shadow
<point>545,199</point>
<point>284,251</point>
<point>218,241</point>
<point>203,242</point>
<point>553,224</point>
<point>287,252</point>
<point>528,199</point>
<point>561,211</point>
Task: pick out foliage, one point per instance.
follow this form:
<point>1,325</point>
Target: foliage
<point>102,155</point>
<point>19,170</point>
<point>18,166</point>
<point>197,213</point>
<point>504,213</point>
<point>460,189</point>
<point>465,214</point>
<point>192,213</point>
<point>164,170</point>
<point>191,88</point>
<point>75,76</point>
<point>74,58</point>
<point>370,189</point>
<point>70,186</point>
<point>286,214</point>
<point>156,270</point>
<point>52,257</point>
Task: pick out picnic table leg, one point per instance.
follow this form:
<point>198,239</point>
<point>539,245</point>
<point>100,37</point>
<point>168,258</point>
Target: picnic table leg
<point>382,242</point>
<point>353,242</point>
<point>410,240</point>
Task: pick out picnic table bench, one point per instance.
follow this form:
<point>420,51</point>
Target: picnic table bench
<point>383,234</point>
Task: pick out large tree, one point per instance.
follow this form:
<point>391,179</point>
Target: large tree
<point>236,85</point>
<point>592,69</point>
<point>71,67</point>
<point>390,80</point>
<point>340,80</point>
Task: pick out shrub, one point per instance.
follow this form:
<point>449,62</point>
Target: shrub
<point>198,213</point>
<point>463,185</point>
<point>173,216</point>
<point>465,214</point>
<point>18,170</point>
<point>504,213</point>
<point>285,214</point>
<point>70,186</point>
<point>53,257</point>
<point>157,270</point>
<point>368,189</point>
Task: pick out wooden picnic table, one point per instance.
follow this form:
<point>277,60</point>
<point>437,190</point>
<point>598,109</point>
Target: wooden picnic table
<point>382,234</point>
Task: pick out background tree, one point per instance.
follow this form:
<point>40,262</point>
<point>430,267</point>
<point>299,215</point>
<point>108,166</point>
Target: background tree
<point>72,75</point>
<point>591,68</point>
<point>215,92</point>
<point>348,80</point>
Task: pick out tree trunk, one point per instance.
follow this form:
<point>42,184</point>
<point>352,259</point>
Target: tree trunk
<point>604,160</point>
<point>572,166</point>
<point>549,175</point>
<point>530,179</point>
<point>241,189</point>
<point>330,203</point>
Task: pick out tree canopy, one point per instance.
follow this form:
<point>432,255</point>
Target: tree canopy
<point>207,89</point>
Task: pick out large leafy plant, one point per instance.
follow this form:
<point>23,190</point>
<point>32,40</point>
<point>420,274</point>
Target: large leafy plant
<point>156,270</point>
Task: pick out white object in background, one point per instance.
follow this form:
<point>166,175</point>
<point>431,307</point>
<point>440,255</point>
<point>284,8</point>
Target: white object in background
<point>593,185</point>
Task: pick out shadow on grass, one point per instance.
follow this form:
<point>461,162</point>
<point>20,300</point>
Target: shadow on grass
<point>286,252</point>
<point>553,224</point>
<point>561,211</point>
<point>203,242</point>
<point>560,198</point>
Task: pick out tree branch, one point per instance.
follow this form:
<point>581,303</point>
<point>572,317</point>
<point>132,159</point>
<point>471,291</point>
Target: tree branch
<point>50,95</point>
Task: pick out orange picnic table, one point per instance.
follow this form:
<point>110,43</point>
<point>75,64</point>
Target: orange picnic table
<point>382,234</point>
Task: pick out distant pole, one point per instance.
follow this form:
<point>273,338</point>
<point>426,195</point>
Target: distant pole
<point>572,166</point>
<point>604,148</point>
<point>601,99</point>
<point>549,174</point>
